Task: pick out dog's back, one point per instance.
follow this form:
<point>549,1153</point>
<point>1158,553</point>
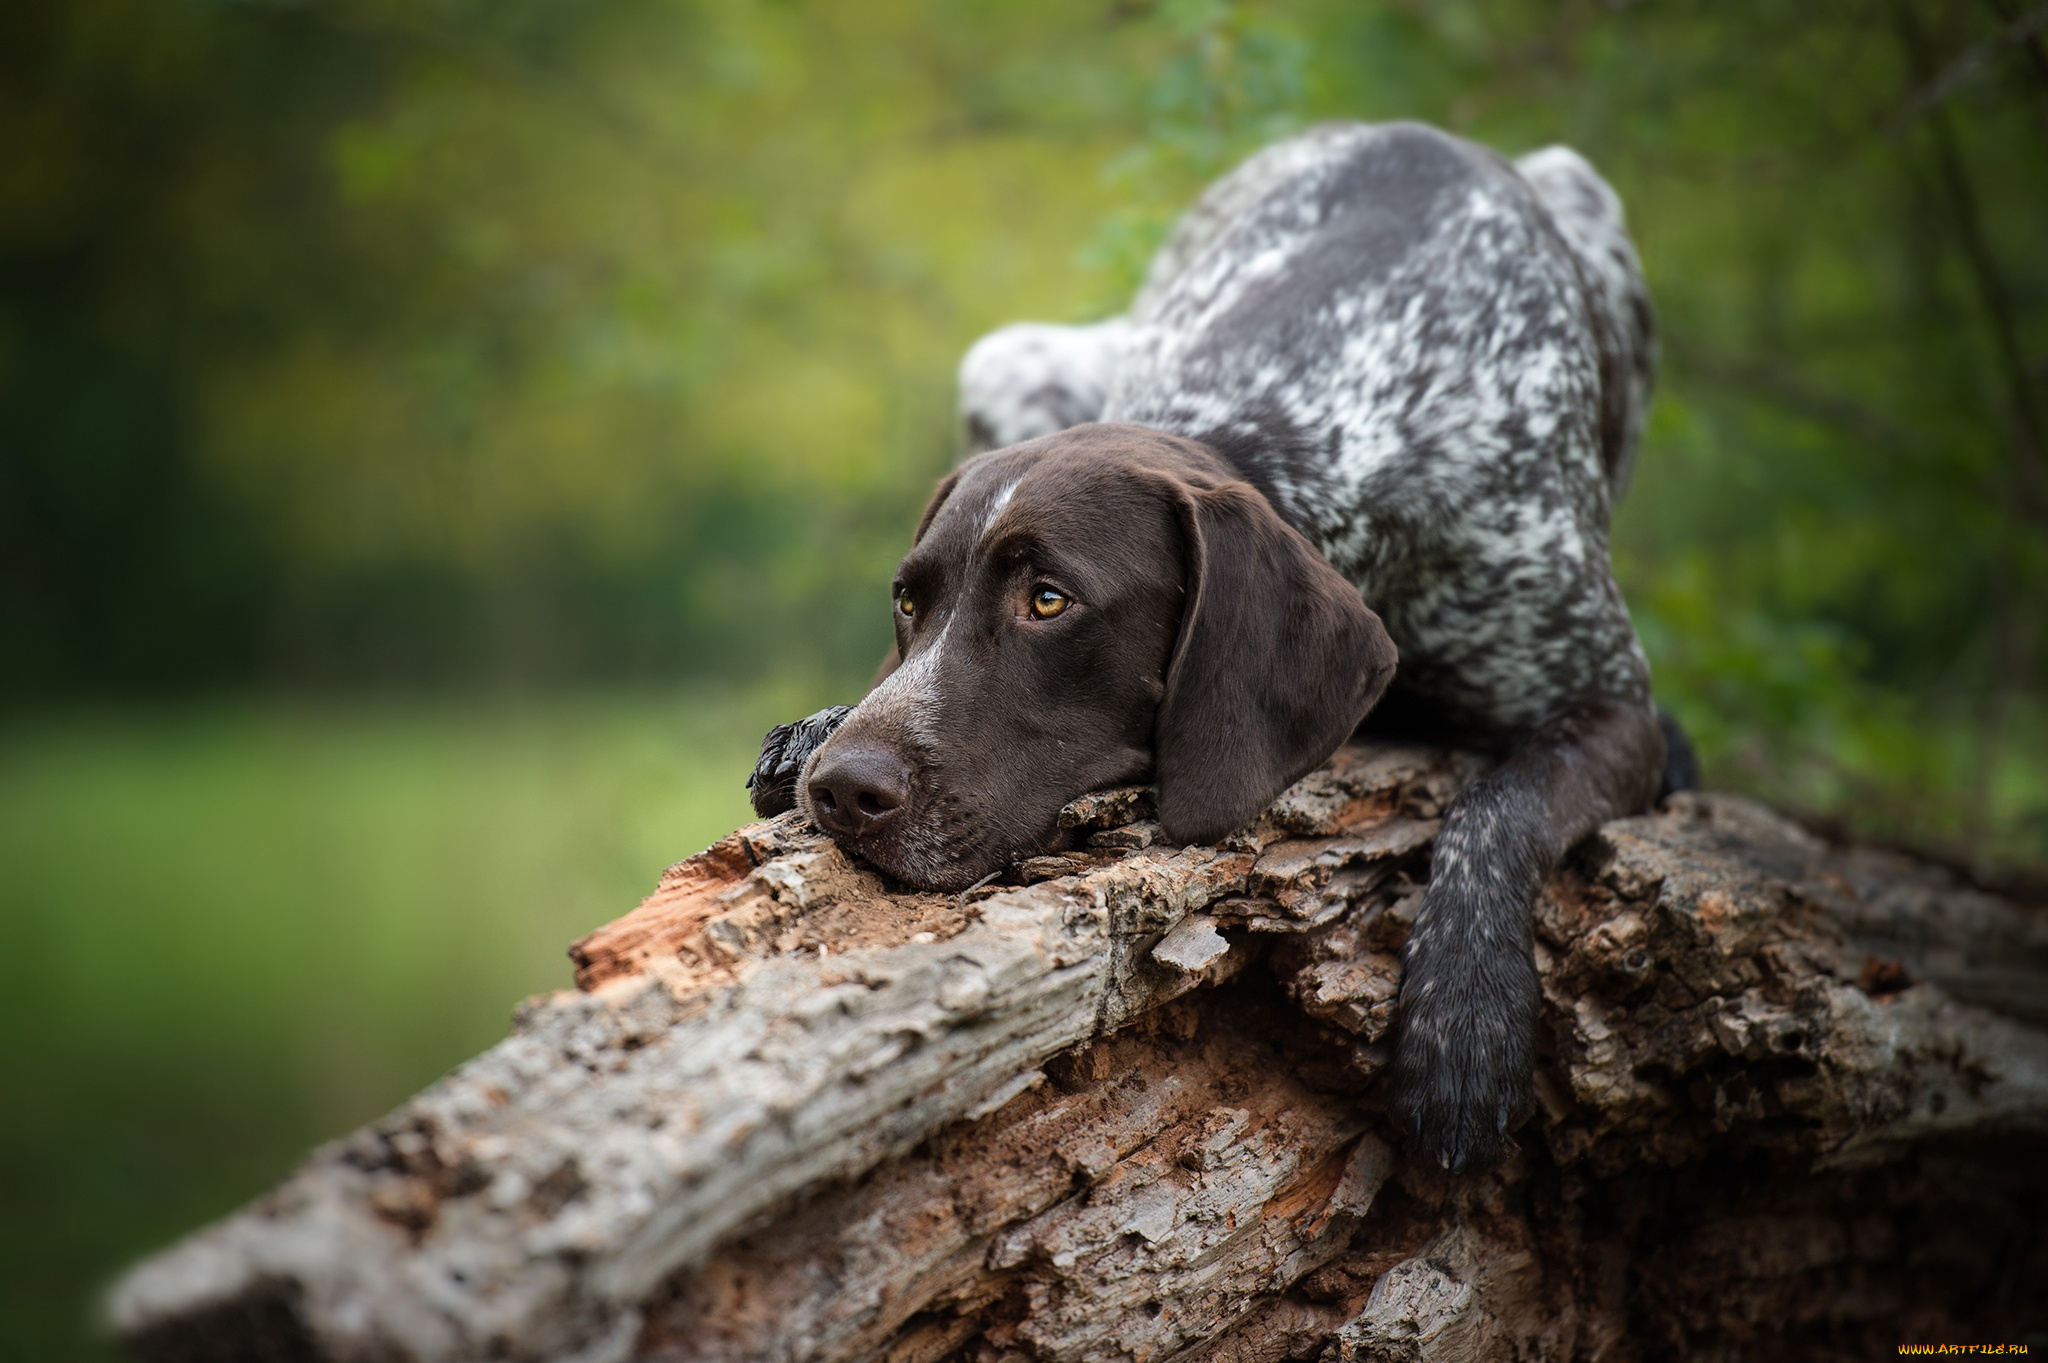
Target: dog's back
<point>1373,166</point>
<point>1433,374</point>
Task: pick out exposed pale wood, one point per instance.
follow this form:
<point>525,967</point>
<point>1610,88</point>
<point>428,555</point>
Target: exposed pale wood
<point>797,1113</point>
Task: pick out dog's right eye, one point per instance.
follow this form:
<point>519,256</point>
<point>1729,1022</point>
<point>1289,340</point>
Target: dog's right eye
<point>1046,603</point>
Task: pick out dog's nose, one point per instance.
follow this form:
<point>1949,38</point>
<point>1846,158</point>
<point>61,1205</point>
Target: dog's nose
<point>858,789</point>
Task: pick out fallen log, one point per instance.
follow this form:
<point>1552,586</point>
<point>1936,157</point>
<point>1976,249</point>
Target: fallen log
<point>1126,1106</point>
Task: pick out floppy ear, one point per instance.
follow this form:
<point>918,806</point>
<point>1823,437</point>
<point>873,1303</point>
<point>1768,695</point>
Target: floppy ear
<point>931,508</point>
<point>1278,661</point>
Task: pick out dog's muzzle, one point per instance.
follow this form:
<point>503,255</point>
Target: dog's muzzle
<point>857,788</point>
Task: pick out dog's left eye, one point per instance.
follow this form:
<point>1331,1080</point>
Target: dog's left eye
<point>1046,603</point>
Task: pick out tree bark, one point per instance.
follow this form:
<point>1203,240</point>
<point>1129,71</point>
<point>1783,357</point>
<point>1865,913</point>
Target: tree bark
<point>1792,1094</point>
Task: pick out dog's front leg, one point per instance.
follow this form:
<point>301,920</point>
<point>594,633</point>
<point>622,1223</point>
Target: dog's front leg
<point>772,783</point>
<point>1469,991</point>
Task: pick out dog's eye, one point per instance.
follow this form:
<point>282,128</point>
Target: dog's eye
<point>906,605</point>
<point>1046,603</point>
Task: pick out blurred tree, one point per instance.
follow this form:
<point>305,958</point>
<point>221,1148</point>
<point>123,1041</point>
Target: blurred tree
<point>347,340</point>
<point>543,340</point>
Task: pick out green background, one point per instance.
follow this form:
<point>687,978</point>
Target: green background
<point>437,437</point>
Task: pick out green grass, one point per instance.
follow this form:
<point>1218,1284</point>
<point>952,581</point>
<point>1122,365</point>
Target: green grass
<point>231,933</point>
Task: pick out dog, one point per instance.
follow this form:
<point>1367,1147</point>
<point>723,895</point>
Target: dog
<point>1352,451</point>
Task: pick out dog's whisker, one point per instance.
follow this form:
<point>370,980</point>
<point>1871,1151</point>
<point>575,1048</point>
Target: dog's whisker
<point>962,900</point>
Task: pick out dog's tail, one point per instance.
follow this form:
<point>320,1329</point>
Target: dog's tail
<point>1588,216</point>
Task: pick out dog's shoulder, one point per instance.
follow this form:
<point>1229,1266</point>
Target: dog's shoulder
<point>1343,204</point>
<point>1279,167</point>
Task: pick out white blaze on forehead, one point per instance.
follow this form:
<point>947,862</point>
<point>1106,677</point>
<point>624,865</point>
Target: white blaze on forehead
<point>998,502</point>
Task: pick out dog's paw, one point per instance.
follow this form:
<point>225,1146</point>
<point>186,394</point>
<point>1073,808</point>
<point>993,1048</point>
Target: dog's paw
<point>772,783</point>
<point>1464,1056</point>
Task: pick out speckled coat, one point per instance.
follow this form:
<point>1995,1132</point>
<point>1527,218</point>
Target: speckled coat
<point>1435,364</point>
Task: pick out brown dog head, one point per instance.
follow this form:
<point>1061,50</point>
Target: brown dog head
<point>1104,605</point>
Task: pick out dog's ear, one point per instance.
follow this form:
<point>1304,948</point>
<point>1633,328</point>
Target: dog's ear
<point>1278,661</point>
<point>931,508</point>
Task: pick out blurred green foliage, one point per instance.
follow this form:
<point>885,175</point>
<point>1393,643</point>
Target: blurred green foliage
<point>235,932</point>
<point>441,341</point>
<point>478,347</point>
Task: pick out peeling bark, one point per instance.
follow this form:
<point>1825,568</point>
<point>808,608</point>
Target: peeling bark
<point>1127,1107</point>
